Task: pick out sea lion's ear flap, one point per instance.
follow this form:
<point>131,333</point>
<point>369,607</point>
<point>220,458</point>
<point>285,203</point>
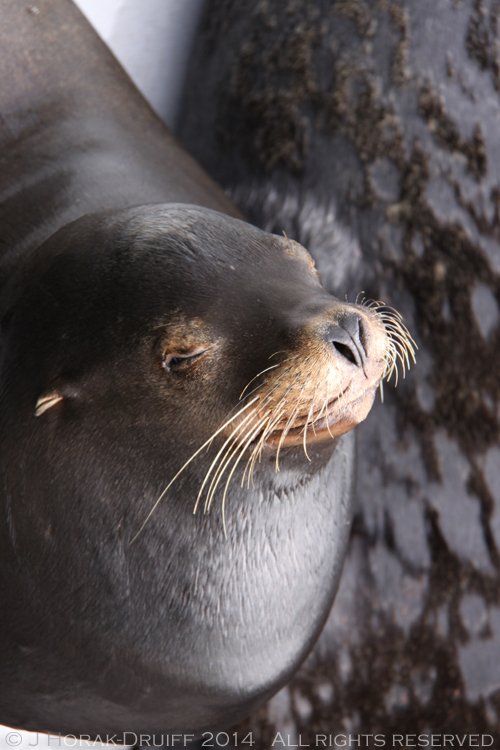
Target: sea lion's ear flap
<point>47,401</point>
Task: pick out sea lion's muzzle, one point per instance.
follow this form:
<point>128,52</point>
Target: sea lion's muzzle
<point>325,382</point>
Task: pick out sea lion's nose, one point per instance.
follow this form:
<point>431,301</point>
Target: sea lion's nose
<point>348,337</point>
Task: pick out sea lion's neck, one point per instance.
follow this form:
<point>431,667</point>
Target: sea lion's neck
<point>75,134</point>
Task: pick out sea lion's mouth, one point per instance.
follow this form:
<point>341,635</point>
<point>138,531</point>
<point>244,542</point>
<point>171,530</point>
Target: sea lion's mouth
<point>313,426</point>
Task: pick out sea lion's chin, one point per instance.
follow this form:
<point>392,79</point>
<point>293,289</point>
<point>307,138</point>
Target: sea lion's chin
<point>338,421</point>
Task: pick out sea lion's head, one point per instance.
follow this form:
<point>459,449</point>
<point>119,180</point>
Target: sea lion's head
<point>159,329</point>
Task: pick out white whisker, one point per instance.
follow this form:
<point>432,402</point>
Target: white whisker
<point>207,442</point>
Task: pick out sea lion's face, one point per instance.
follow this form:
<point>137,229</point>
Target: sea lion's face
<point>155,329</point>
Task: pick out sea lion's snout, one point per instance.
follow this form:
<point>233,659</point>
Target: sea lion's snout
<point>326,383</point>
<point>356,342</point>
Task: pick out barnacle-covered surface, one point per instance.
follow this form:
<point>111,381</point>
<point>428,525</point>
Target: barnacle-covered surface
<point>368,131</point>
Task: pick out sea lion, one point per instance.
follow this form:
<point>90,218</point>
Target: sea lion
<point>156,359</point>
<point>370,127</point>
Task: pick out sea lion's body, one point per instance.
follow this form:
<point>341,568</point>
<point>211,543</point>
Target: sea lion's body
<point>373,126</point>
<point>129,338</point>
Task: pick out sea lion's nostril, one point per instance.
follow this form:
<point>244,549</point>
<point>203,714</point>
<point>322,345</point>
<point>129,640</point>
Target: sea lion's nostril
<point>350,331</point>
<point>348,338</point>
<point>345,351</point>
